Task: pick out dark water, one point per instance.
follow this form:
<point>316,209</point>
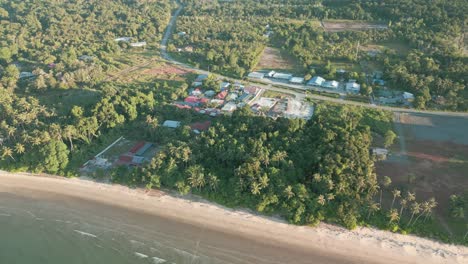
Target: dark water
<point>60,232</point>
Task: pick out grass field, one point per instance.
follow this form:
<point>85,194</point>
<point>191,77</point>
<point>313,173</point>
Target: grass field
<point>398,47</point>
<point>434,151</point>
<point>336,25</point>
<point>279,60</point>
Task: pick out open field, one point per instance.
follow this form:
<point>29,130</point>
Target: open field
<point>350,25</point>
<point>398,47</point>
<point>431,158</point>
<point>277,60</point>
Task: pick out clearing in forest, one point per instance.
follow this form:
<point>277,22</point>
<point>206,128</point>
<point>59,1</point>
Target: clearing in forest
<point>350,25</point>
<point>278,60</point>
<point>430,157</point>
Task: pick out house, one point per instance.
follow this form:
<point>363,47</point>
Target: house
<point>201,77</point>
<point>341,71</point>
<point>182,33</point>
<point>316,81</point>
<point>229,107</point>
<point>204,100</point>
<point>282,76</point>
<point>138,44</point>
<point>232,96</point>
<point>271,74</point>
<point>197,84</point>
<point>256,75</point>
<point>196,92</point>
<point>171,124</point>
<point>408,96</point>
<point>238,85</point>
<point>380,152</point>
<point>224,85</point>
<point>296,80</point>
<point>222,95</point>
<point>353,87</point>
<point>210,93</point>
<point>330,84</point>
<point>379,82</point>
<point>24,75</point>
<point>244,97</point>
<point>192,99</point>
<point>217,102</point>
<point>201,126</point>
<point>86,58</point>
<point>251,90</point>
<point>188,49</point>
<point>123,39</point>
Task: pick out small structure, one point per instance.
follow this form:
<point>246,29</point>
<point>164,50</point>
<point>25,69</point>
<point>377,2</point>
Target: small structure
<point>138,44</point>
<point>224,85</point>
<point>271,74</point>
<point>200,126</point>
<point>192,99</point>
<point>196,92</point>
<point>201,78</point>
<point>331,84</point>
<point>229,107</point>
<point>123,39</point>
<point>282,76</point>
<point>353,87</point>
<point>380,153</point>
<point>232,96</point>
<point>251,90</point>
<point>188,49</point>
<point>210,93</point>
<point>266,102</point>
<point>256,75</point>
<point>217,102</point>
<point>296,80</point>
<point>171,124</point>
<point>316,81</point>
<point>182,33</point>
<point>24,75</point>
<point>408,96</point>
<point>222,95</point>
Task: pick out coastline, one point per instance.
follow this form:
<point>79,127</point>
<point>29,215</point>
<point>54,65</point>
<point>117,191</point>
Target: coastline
<point>363,245</point>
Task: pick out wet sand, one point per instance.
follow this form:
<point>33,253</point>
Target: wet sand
<point>229,236</point>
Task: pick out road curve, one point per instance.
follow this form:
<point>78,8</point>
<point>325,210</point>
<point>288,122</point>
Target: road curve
<point>299,91</point>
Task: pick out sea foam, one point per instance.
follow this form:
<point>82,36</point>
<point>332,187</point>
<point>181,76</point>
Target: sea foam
<point>85,234</point>
<point>157,260</point>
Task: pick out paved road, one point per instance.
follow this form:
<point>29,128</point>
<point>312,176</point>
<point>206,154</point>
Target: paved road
<point>298,91</point>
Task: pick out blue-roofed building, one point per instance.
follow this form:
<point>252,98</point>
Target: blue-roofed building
<point>316,81</point>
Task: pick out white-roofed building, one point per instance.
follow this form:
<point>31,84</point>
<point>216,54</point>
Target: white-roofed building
<point>296,80</point>
<point>331,84</point>
<point>408,96</point>
<point>353,87</point>
<point>256,75</point>
<point>282,76</point>
<point>171,124</point>
<point>316,81</point>
<point>138,44</point>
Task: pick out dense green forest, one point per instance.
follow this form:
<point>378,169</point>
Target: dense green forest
<point>429,61</point>
<point>50,38</point>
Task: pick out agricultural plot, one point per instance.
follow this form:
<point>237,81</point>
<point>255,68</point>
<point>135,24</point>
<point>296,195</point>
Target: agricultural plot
<point>350,25</point>
<point>277,60</point>
<point>431,158</point>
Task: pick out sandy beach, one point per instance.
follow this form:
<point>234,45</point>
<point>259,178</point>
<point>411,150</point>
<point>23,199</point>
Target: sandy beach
<point>238,233</point>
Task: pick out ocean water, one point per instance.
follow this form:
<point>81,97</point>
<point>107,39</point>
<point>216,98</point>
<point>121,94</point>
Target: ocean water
<point>69,231</point>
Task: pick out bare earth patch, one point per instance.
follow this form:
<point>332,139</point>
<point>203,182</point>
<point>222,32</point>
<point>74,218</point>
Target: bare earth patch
<point>165,69</point>
<point>344,25</point>
<point>274,59</point>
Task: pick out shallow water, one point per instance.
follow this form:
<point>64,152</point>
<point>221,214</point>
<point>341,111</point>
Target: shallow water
<point>52,232</point>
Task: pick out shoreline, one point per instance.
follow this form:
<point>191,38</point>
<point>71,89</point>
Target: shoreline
<point>363,245</point>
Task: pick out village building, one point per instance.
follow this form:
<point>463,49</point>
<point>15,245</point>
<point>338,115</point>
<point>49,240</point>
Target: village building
<point>123,39</point>
<point>224,85</point>
<point>210,93</point>
<point>408,96</point>
<point>330,84</point>
<point>201,78</point>
<point>282,76</point>
<point>171,124</point>
<point>232,97</point>
<point>256,75</point>
<point>138,44</point>
<point>353,87</point>
<point>251,90</point>
<point>229,107</point>
<point>316,81</point>
<point>222,95</point>
<point>24,75</point>
<point>271,74</point>
<point>296,80</point>
<point>198,127</point>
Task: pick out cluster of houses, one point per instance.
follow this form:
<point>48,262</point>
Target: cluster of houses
<point>212,103</point>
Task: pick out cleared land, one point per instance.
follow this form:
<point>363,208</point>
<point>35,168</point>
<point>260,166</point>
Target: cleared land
<point>434,149</point>
<point>278,60</point>
<point>350,25</point>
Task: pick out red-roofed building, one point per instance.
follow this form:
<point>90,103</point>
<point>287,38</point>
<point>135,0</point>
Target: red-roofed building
<point>192,99</point>
<point>200,126</point>
<point>137,146</point>
<point>204,100</point>
<point>222,95</point>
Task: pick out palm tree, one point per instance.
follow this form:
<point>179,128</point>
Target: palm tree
<point>7,152</point>
<point>415,209</point>
<point>330,196</point>
<point>396,193</point>
<point>466,234</point>
<point>264,181</point>
<point>19,148</point>
<point>403,204</point>
<point>373,207</point>
<point>255,188</point>
<point>214,181</point>
<point>393,215</point>
<point>432,203</point>
<point>317,177</point>
<point>288,191</point>
<point>69,132</point>
<point>386,181</point>
<point>321,200</point>
<point>410,196</point>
